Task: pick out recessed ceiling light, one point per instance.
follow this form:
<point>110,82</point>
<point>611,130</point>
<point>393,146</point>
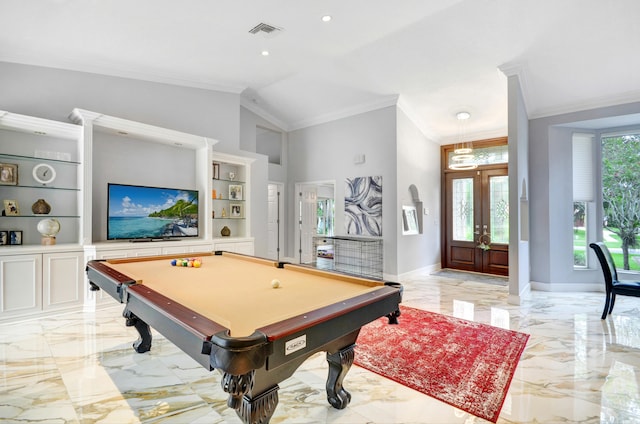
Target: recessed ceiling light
<point>265,53</point>
<point>463,115</point>
<point>326,18</point>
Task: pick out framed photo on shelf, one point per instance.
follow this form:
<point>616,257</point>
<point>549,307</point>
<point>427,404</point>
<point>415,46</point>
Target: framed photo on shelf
<point>8,174</point>
<point>236,210</point>
<point>4,238</point>
<point>216,171</point>
<point>11,208</point>
<point>15,237</point>
<point>235,192</point>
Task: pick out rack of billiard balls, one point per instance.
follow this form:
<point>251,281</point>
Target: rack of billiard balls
<point>187,262</point>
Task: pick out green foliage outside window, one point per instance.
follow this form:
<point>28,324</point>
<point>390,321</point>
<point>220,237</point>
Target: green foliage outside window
<point>621,199</point>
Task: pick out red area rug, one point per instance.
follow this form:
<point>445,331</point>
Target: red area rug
<point>465,364</point>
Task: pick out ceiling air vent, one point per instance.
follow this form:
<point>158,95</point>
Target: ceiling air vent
<point>265,29</point>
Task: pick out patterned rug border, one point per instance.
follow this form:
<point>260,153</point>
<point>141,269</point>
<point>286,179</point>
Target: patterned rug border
<point>512,362</point>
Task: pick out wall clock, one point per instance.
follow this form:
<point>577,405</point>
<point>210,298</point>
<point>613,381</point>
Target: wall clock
<point>44,173</point>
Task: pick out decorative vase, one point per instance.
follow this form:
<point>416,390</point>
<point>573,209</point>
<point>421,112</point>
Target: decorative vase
<point>41,207</point>
<point>225,232</point>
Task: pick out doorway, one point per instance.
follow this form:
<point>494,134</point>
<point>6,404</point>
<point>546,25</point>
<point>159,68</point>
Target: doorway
<point>476,218</point>
<point>312,218</point>
<point>275,230</point>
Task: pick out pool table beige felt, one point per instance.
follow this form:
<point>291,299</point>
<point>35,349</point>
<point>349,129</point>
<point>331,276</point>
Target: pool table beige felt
<point>236,291</point>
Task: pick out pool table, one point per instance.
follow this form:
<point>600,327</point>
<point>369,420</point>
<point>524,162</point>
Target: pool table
<point>227,315</point>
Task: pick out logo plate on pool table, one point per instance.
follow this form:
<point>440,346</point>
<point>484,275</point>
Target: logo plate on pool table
<point>295,345</point>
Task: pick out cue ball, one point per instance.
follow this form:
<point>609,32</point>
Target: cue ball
<point>275,283</point>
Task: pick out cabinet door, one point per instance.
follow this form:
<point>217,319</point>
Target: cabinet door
<point>63,280</point>
<point>244,247</point>
<point>20,285</point>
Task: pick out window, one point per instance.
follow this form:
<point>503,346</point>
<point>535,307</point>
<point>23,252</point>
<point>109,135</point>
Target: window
<point>621,198</point>
<point>583,194</point>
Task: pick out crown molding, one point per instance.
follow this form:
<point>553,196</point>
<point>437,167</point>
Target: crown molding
<point>519,70</point>
<point>136,74</point>
<point>346,112</point>
<point>415,118</point>
<point>609,101</point>
<point>39,126</point>
<point>138,130</point>
<point>255,108</point>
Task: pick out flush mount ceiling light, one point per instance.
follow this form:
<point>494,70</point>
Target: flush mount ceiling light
<point>265,53</point>
<point>462,158</point>
<point>326,18</point>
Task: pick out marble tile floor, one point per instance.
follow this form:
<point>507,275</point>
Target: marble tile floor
<point>80,368</point>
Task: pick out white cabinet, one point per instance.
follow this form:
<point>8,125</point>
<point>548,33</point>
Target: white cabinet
<point>238,245</point>
<point>31,283</point>
<point>20,285</point>
<point>62,280</point>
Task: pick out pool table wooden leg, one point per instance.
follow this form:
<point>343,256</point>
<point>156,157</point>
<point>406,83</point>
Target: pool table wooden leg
<point>143,344</point>
<point>339,364</point>
<point>251,409</point>
<point>259,409</point>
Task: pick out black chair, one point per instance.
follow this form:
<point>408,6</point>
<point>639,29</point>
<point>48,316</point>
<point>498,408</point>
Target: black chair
<point>612,284</point>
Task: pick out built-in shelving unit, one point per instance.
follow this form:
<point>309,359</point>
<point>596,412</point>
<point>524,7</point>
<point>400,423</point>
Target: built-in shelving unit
<point>230,202</point>
<point>26,142</point>
<point>38,278</point>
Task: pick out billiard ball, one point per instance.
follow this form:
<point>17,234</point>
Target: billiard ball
<point>174,262</point>
<point>197,263</point>
<point>275,283</point>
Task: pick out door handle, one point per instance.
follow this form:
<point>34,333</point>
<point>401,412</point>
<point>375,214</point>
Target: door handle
<point>484,241</point>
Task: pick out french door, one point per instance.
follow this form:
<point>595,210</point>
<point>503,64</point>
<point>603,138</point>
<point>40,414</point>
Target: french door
<point>477,221</point>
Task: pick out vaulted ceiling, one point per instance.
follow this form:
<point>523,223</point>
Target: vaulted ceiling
<point>434,58</point>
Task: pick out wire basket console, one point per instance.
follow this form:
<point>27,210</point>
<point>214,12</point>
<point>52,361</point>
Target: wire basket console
<point>361,256</point>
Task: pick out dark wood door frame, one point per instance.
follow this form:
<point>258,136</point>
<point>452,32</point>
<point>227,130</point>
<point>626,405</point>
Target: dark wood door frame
<point>469,257</point>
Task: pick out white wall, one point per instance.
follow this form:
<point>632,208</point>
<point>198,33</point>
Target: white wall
<point>519,202</point>
<point>53,94</point>
<point>326,152</point>
<point>551,199</point>
<point>274,173</point>
<point>123,160</point>
<point>418,163</point>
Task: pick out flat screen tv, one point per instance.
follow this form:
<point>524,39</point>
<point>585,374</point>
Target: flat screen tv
<point>151,213</point>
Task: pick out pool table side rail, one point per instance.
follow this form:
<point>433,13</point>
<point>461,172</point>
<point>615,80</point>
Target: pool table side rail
<point>183,326</point>
<point>157,257</point>
<point>108,279</point>
<point>193,332</point>
<point>328,326</point>
<point>332,274</point>
<point>304,321</point>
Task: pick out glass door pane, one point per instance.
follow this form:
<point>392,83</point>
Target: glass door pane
<point>462,219</point>
<point>499,209</point>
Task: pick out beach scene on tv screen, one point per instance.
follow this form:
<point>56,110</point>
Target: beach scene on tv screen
<point>151,212</point>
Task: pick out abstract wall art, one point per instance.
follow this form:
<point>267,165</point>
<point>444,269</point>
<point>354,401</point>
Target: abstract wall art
<point>363,206</point>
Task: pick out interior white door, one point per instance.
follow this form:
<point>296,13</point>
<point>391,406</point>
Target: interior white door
<point>274,229</point>
<point>307,220</point>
